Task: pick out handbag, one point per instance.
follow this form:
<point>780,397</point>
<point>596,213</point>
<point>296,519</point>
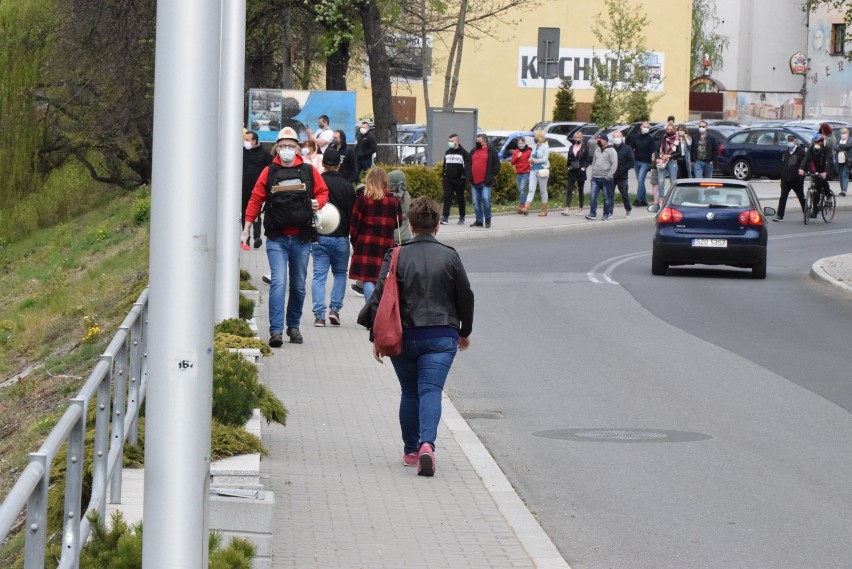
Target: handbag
<point>387,326</point>
<point>544,173</point>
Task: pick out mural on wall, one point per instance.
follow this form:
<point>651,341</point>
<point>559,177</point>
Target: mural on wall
<point>270,110</point>
<point>829,80</point>
<point>747,107</point>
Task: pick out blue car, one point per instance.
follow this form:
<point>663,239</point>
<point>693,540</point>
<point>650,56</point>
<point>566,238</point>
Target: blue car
<point>709,221</point>
<point>757,151</point>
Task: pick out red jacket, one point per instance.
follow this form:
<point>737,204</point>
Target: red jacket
<point>521,160</point>
<point>371,234</point>
<point>258,195</point>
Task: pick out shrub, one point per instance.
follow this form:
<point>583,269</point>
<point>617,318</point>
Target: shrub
<point>271,407</point>
<point>142,208</point>
<point>245,281</point>
<point>224,342</point>
<point>422,180</point>
<point>233,440</point>
<point>237,392</point>
<point>235,326</point>
<point>246,309</point>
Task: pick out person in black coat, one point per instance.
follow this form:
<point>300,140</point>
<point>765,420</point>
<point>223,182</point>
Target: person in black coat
<point>819,163</point>
<point>255,159</point>
<point>578,160</point>
<point>625,164</point>
<point>790,178</point>
<point>365,147</point>
<point>347,156</point>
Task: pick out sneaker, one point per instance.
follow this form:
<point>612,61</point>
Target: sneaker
<point>476,224</point>
<point>605,218</point>
<point>295,335</point>
<point>565,211</point>
<point>258,242</point>
<point>410,459</point>
<point>334,318</point>
<point>318,323</point>
<point>444,220</point>
<point>644,203</point>
<point>591,217</point>
<point>628,215</point>
<point>461,221</point>
<point>488,223</point>
<point>776,218</point>
<point>842,194</point>
<point>579,212</point>
<point>266,278</point>
<point>426,460</point>
<point>637,203</point>
<point>359,290</point>
<point>275,340</point>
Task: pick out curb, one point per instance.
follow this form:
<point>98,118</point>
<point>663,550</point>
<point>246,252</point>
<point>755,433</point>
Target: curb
<point>819,273</point>
<point>483,234</point>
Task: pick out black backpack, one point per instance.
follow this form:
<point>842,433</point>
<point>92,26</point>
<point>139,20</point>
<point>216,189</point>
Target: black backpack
<point>288,199</point>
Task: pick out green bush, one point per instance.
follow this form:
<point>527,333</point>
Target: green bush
<point>246,309</point>
<point>142,207</point>
<point>233,440</point>
<point>235,326</point>
<point>223,342</point>
<point>422,180</point>
<point>237,391</point>
<point>271,407</point>
<point>245,281</point>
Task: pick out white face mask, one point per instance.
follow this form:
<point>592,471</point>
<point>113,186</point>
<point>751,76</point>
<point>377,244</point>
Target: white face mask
<point>702,129</point>
<point>617,141</point>
<point>363,130</point>
<point>645,130</point>
<point>844,136</point>
<point>305,151</point>
<point>287,154</point>
<point>247,145</point>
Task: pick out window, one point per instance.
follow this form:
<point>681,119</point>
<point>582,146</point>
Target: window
<point>739,138</point>
<point>838,39</point>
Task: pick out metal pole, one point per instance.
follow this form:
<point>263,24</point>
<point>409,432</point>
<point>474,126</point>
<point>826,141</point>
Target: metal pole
<point>231,81</point>
<point>544,91</point>
<point>183,242</point>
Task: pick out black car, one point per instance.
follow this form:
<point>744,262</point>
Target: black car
<point>710,222</point>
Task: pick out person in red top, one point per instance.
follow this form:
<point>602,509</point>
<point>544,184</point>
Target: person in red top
<point>482,170</point>
<point>292,191</point>
<point>521,162</point>
<point>375,216</point>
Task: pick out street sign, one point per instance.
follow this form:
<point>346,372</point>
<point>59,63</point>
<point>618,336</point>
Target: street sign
<point>548,52</point>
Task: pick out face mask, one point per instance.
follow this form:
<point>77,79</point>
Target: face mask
<point>363,130</point>
<point>305,151</point>
<point>578,141</point>
<point>617,141</point>
<point>247,145</point>
<point>670,133</point>
<point>600,144</point>
<point>287,154</point>
<point>451,144</point>
<point>319,127</point>
<point>479,145</point>
<point>521,145</point>
<point>817,147</point>
<point>702,129</point>
<point>844,136</point>
<point>645,130</point>
<point>791,144</point>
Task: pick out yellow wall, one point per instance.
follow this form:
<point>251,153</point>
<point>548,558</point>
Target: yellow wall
<point>490,69</point>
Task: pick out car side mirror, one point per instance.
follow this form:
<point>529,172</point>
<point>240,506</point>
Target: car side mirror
<point>768,211</point>
<point>655,207</point>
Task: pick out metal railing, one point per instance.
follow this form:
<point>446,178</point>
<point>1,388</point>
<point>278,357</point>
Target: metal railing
<point>408,154</point>
<point>118,385</point>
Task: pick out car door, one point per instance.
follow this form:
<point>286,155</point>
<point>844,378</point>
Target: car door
<point>762,151</point>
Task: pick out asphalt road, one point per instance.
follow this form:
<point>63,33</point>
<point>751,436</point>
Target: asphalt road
<point>695,420</point>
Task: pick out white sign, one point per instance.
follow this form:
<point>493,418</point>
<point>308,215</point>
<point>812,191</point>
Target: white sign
<point>579,65</point>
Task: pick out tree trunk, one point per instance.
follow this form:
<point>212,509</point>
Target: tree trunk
<point>374,37</point>
<point>424,66</point>
<point>336,67</point>
<point>451,78</point>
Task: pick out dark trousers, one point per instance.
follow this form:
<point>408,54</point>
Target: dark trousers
<point>256,226</point>
<point>788,184</point>
<point>621,186</point>
<point>821,188</point>
<point>364,164</point>
<point>569,191</point>
<point>454,188</point>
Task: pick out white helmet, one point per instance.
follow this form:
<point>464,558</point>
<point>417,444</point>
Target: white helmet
<point>327,219</point>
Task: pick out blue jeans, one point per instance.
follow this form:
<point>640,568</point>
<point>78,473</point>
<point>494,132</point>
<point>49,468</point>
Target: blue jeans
<point>523,181</point>
<point>702,169</point>
<point>288,256</point>
<point>641,172</point>
<point>606,185</point>
<point>481,201</point>
<point>422,370</point>
<point>843,174</point>
<point>671,171</point>
<point>369,287</point>
<point>330,252</point>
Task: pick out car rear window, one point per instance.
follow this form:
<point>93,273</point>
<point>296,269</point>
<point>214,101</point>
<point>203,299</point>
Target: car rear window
<point>700,196</point>
<point>738,138</point>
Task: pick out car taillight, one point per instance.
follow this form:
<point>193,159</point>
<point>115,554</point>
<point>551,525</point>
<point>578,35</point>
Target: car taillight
<point>670,215</point>
<point>721,150</point>
<point>751,217</point>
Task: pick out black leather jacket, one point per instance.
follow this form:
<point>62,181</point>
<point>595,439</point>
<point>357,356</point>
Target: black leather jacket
<point>433,287</point>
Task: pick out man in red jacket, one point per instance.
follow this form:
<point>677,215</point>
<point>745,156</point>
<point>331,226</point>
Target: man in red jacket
<point>292,191</point>
<point>482,169</point>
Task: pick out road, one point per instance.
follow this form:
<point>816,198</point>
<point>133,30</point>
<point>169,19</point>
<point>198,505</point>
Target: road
<point>695,420</point>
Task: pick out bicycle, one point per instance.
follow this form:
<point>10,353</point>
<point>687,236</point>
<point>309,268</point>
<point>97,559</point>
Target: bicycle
<point>825,203</point>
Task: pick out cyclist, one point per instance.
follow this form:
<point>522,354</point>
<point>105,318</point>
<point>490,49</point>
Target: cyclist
<point>818,162</point>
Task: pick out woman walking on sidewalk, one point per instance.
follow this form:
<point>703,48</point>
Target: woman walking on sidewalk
<point>436,308</point>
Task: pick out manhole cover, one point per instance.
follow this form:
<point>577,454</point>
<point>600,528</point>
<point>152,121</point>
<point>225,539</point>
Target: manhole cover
<point>623,435</point>
<point>482,414</point>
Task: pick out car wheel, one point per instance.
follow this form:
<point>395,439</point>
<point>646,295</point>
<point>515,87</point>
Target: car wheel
<point>658,267</point>
<point>759,270</point>
<point>741,169</point>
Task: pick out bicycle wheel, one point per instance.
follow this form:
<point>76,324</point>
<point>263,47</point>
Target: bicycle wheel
<point>828,207</point>
<point>809,200</point>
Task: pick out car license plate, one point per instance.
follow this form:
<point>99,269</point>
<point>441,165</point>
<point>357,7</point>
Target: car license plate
<point>710,243</point>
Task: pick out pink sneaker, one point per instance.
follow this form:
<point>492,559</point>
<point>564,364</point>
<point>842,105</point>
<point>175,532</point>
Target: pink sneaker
<point>426,460</point>
<point>409,459</point>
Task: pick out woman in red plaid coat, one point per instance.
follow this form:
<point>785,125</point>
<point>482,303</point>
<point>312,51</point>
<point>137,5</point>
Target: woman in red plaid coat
<point>375,216</point>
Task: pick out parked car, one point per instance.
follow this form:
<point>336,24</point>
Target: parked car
<point>757,151</point>
<point>710,222</point>
<point>565,128</point>
<point>414,134</point>
<point>767,123</point>
<point>813,124</point>
<point>505,142</point>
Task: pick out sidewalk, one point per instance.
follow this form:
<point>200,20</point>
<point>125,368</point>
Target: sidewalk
<point>343,498</point>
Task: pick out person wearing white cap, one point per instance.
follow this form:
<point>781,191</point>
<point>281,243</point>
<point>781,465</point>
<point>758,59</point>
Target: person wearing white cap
<point>290,191</point>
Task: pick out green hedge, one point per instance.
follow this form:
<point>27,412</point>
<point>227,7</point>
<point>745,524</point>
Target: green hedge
<point>426,181</point>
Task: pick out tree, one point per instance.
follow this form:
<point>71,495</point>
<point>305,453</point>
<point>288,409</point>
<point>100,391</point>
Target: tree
<point>380,82</point>
<point>564,109</point>
<point>705,40</point>
<point>619,75</point>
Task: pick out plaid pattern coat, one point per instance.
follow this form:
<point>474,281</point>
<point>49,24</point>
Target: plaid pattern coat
<point>371,234</point>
